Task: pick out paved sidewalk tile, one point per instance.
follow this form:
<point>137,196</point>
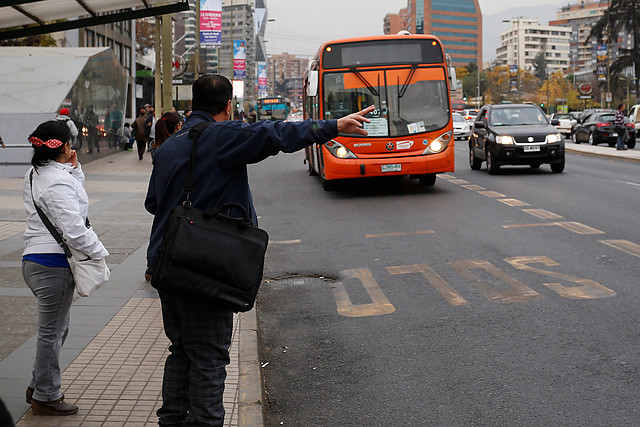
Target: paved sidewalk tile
<point>116,380</point>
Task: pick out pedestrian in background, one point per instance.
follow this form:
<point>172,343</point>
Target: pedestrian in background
<point>91,122</point>
<point>165,127</point>
<point>150,126</point>
<point>55,183</point>
<point>64,117</point>
<point>139,132</point>
<point>621,129</point>
<point>200,332</point>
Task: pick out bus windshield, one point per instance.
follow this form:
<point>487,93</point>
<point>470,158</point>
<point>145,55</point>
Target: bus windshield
<point>273,109</point>
<point>409,100</point>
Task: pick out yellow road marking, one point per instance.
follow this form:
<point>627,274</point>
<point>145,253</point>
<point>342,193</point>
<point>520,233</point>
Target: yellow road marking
<point>623,245</point>
<point>450,294</point>
<point>380,304</point>
<point>573,226</point>
<point>473,187</point>
<point>588,289</point>
<point>513,202</point>
<point>458,181</point>
<point>543,214</point>
<point>285,242</point>
<point>491,194</point>
<point>409,233</point>
<point>446,176</point>
<point>519,293</point>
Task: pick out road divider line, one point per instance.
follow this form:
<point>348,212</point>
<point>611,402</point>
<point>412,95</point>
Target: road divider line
<point>473,187</point>
<point>623,245</point>
<point>285,242</point>
<point>542,214</point>
<point>408,233</point>
<point>513,202</point>
<point>458,181</point>
<point>379,303</point>
<point>493,194</point>
<point>573,226</point>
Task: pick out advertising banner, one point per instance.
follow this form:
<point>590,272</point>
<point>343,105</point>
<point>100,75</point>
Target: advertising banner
<point>210,22</point>
<point>262,79</point>
<point>239,58</point>
<point>513,77</point>
<point>601,64</point>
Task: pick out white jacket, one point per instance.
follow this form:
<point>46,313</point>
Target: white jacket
<point>72,126</point>
<point>58,190</point>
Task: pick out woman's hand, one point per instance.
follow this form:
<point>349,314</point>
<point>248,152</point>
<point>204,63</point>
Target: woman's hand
<point>73,158</point>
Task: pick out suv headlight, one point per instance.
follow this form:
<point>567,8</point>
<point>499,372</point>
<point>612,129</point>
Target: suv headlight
<point>439,144</point>
<point>504,139</point>
<point>554,137</point>
<point>339,150</point>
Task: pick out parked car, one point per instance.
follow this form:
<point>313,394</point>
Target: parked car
<point>599,128</point>
<point>461,128</point>
<point>470,114</point>
<point>515,134</point>
<point>634,116</point>
<point>567,122</point>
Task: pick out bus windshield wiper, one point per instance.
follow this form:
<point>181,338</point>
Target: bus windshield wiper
<point>364,80</point>
<point>405,86</point>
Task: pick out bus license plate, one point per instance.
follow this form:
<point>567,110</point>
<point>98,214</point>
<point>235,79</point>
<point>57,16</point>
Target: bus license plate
<point>531,148</point>
<point>395,167</point>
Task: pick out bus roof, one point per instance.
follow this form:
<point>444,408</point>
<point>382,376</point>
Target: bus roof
<point>372,38</point>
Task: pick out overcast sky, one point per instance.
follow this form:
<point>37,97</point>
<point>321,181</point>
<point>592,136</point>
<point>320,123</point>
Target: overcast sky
<point>301,26</point>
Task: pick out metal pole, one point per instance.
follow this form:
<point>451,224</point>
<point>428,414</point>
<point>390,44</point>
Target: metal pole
<point>231,63</point>
<point>157,98</point>
<point>167,74</point>
<point>196,63</point>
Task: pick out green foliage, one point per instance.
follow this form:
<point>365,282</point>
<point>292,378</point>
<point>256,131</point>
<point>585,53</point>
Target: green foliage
<point>540,67</point>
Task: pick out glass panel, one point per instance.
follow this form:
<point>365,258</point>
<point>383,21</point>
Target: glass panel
<point>517,116</point>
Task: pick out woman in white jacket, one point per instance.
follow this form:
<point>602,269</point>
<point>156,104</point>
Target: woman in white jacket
<point>55,183</point>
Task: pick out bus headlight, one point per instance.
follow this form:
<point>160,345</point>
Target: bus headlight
<point>339,150</point>
<point>554,137</point>
<point>504,139</point>
<point>439,144</point>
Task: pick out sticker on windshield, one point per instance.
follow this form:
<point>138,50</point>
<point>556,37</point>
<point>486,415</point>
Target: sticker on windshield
<point>377,127</point>
<point>416,127</point>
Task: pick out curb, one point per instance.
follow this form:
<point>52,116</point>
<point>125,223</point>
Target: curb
<point>250,398</point>
<point>631,155</point>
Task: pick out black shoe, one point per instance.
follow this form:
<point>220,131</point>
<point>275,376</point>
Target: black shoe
<point>56,408</point>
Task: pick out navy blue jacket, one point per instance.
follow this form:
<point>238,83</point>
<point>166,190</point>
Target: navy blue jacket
<point>220,176</point>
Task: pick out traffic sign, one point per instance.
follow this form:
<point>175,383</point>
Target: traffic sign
<point>585,97</point>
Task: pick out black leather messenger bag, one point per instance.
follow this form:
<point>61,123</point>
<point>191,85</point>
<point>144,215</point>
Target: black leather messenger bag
<point>208,254</point>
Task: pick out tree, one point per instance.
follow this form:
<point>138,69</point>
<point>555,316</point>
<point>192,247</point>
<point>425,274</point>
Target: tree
<point>622,16</point>
<point>540,67</point>
<point>145,35</point>
<point>42,40</point>
<point>498,86</point>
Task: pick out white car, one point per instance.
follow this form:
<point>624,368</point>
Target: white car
<point>461,127</point>
<point>567,122</point>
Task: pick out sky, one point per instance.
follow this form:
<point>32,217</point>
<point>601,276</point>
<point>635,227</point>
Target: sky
<point>301,26</point>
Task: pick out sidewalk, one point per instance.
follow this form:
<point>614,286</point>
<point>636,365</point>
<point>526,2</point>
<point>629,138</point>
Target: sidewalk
<point>602,150</point>
<point>113,358</point>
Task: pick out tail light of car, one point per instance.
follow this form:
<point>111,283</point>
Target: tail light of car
<point>601,125</point>
<point>630,125</point>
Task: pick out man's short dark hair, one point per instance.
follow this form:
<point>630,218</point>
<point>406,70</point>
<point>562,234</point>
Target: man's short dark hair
<point>211,93</point>
<point>620,106</point>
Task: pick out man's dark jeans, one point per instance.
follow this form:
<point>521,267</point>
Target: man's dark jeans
<point>194,372</point>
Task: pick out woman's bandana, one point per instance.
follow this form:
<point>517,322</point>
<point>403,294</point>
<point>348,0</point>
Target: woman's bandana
<point>51,143</point>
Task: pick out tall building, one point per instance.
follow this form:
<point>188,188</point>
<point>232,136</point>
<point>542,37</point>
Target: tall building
<point>457,23</point>
<point>395,22</point>
<point>238,21</point>
<point>580,17</point>
<point>285,73</point>
<point>526,38</point>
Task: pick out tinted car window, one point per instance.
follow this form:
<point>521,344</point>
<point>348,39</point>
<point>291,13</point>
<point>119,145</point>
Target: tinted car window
<point>607,118</point>
<point>458,118</point>
<point>517,116</point>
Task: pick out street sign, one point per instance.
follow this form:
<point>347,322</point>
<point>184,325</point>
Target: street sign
<point>585,97</point>
<point>585,88</point>
<point>608,97</point>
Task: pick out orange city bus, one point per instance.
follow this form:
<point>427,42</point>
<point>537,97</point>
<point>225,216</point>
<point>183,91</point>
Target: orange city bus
<point>407,77</point>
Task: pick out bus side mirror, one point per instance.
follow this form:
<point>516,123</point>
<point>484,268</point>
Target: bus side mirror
<point>453,81</point>
<point>312,83</point>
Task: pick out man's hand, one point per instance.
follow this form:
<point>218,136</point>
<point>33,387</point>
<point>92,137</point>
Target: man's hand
<point>353,122</point>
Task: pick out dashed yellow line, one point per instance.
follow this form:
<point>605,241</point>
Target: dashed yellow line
<point>458,181</point>
<point>473,187</point>
<point>573,226</point>
<point>543,214</point>
<point>513,202</point>
<point>491,194</point>
<point>623,245</point>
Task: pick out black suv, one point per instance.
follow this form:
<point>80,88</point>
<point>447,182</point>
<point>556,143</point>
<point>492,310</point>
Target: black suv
<point>515,134</point>
<point>599,127</point>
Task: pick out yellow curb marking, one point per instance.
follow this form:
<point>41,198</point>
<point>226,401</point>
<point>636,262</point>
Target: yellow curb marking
<point>452,297</point>
<point>623,245</point>
<point>379,303</point>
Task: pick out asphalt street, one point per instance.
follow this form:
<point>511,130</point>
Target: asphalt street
<point>485,300</point>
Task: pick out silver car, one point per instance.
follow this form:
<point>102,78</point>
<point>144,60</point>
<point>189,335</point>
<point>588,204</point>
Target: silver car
<point>461,127</point>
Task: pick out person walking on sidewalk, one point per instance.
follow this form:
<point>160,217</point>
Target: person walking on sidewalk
<point>621,129</point>
<point>64,117</point>
<point>55,183</point>
<point>139,132</point>
<point>91,122</point>
<point>199,332</point>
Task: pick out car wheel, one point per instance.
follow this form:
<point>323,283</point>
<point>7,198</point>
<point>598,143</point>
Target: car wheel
<point>592,140</point>
<point>473,161</point>
<point>558,167</point>
<point>575,138</point>
<point>428,179</point>
<point>631,143</point>
<point>492,167</point>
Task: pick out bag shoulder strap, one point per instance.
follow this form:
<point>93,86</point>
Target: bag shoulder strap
<point>194,134</point>
<point>48,223</point>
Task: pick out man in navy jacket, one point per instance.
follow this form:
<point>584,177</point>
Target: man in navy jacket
<point>200,334</point>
